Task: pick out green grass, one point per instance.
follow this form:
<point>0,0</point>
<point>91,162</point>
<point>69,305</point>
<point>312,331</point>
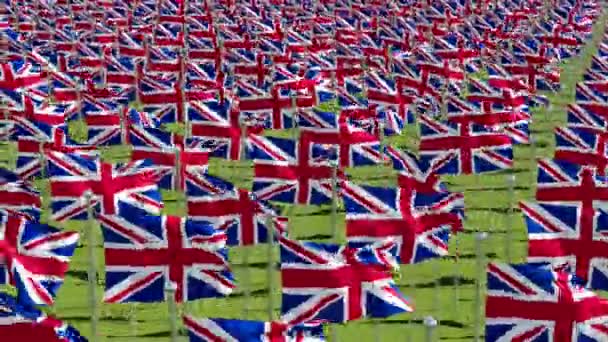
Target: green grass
<point>432,285</point>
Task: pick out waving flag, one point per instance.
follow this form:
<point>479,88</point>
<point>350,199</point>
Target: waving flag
<point>582,146</point>
<point>421,224</point>
<point>31,152</point>
<point>532,302</point>
<point>235,211</point>
<point>143,253</point>
<point>474,149</point>
<point>233,330</point>
<point>35,258</point>
<point>176,158</point>
<point>23,322</point>
<point>19,197</point>
<point>72,176</point>
<point>414,173</point>
<point>284,172</point>
<point>338,284</point>
<point>569,234</point>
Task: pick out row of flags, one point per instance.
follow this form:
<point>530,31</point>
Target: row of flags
<point>551,297</point>
<point>341,76</point>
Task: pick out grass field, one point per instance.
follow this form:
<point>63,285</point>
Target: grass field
<point>444,289</point>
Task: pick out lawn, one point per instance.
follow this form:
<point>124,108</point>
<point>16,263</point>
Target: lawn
<point>444,289</point>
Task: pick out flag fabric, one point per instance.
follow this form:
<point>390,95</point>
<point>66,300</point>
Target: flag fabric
<point>419,223</point>
<point>143,253</point>
<point>237,212</point>
<point>285,172</point>
<point>72,176</point>
<point>19,197</point>
<point>338,284</point>
<point>569,233</point>
<point>175,157</point>
<point>19,321</point>
<point>233,330</point>
<point>474,148</point>
<point>583,146</point>
<point>534,302</point>
<point>35,258</point>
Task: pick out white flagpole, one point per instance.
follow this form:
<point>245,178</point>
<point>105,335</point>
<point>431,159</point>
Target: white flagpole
<point>270,267</point>
<point>480,268</point>
<point>170,289</point>
<point>92,269</point>
<point>177,179</point>
<point>430,324</point>
<point>509,217</point>
<point>124,123</point>
<point>533,160</point>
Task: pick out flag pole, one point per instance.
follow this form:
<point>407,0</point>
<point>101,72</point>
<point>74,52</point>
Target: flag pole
<point>533,160</point>
<point>509,217</point>
<point>430,324</point>
<point>480,265</point>
<point>270,267</point>
<point>124,136</point>
<point>92,269</point>
<point>170,289</point>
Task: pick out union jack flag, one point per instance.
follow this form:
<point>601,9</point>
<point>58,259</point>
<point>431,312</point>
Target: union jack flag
<point>570,233</point>
<point>21,74</point>
<point>474,149</point>
<point>577,115</point>
<point>512,122</point>
<point>18,321</point>
<point>111,128</point>
<point>355,145</point>
<point>582,146</point>
<point>532,302</point>
<point>35,258</point>
<point>420,223</point>
<point>176,159</point>
<point>31,152</point>
<point>232,330</point>
<point>415,173</point>
<point>284,171</point>
<point>144,253</point>
<point>338,284</point>
<point>72,176</point>
<point>235,211</point>
<point>220,123</point>
<point>19,197</point>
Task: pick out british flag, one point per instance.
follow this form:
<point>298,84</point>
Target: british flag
<point>570,230</point>
<point>232,210</point>
<point>41,110</point>
<point>512,122</point>
<point>144,253</point>
<point>355,145</point>
<point>111,128</point>
<point>220,123</point>
<point>577,115</point>
<point>18,321</point>
<point>19,197</point>
<point>233,330</point>
<point>420,223</point>
<point>583,146</point>
<point>31,152</point>
<point>474,149</point>
<point>72,176</point>
<point>415,173</point>
<point>176,159</point>
<point>533,302</point>
<point>35,258</point>
<point>338,284</point>
<point>21,74</point>
<point>284,171</point>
